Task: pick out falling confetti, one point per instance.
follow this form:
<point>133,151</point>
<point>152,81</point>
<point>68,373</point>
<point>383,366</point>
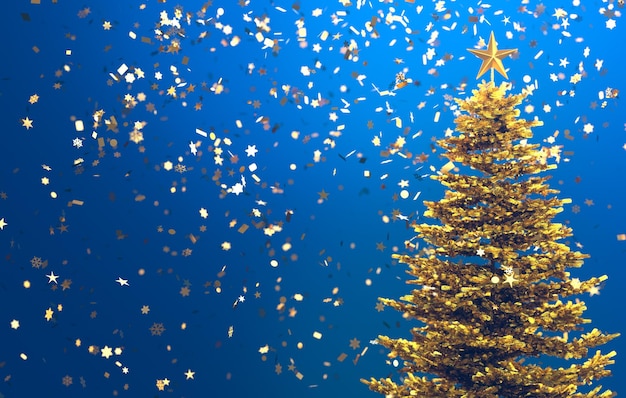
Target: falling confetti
<point>207,197</point>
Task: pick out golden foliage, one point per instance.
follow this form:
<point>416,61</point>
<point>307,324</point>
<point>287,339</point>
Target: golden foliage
<point>490,288</point>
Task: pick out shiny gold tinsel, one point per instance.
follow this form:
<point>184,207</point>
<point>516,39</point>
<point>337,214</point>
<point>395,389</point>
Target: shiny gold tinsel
<point>493,288</point>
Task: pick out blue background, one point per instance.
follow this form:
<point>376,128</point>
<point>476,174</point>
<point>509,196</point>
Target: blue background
<point>337,244</point>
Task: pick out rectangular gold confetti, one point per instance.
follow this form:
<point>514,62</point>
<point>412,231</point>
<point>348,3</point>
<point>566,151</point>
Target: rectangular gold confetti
<point>146,40</point>
<point>35,49</point>
<point>342,357</point>
<point>243,228</point>
<point>122,69</point>
<point>621,236</point>
<point>447,167</point>
<point>77,202</point>
<point>317,335</point>
<point>185,60</point>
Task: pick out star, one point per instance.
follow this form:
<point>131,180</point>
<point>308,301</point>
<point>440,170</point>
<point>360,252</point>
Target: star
<point>2,224</point>
<point>492,58</point>
<point>52,277</point>
<point>559,13</point>
<point>106,352</point>
<point>241,299</point>
<point>49,313</point>
<point>355,343</point>
<point>598,64</point>
<point>251,150</point>
<point>204,213</point>
<point>480,252</point>
<point>77,142</point>
<point>33,98</point>
<point>28,123</point>
<point>15,324</point>
<point>189,374</point>
<point>509,279</point>
<point>237,189</point>
<point>323,195</point>
<point>122,282</point>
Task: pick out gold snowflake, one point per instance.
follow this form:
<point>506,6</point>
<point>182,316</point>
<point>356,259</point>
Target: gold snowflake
<point>136,136</point>
<point>67,380</point>
<point>157,329</point>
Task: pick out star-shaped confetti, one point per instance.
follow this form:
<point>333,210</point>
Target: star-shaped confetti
<point>49,313</point>
<point>251,150</point>
<point>107,352</point>
<point>52,278</point>
<point>122,282</point>
<point>28,123</point>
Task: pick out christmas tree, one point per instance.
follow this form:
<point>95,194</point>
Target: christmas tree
<point>493,289</point>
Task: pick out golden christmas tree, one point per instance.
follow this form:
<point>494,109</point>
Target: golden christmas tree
<point>493,288</point>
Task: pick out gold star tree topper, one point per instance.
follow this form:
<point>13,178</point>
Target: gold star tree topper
<point>492,58</point>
